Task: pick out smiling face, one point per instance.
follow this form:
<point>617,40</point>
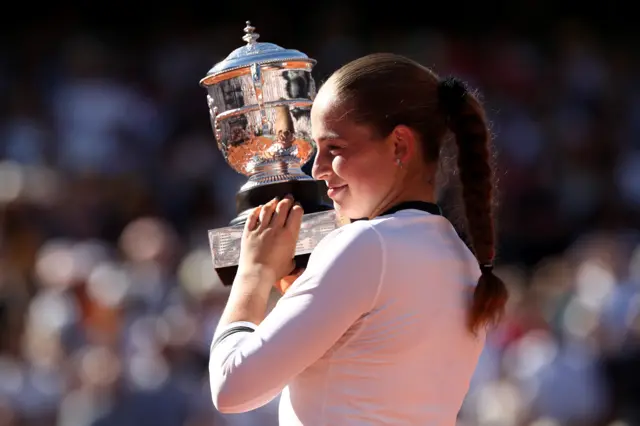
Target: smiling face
<point>359,168</point>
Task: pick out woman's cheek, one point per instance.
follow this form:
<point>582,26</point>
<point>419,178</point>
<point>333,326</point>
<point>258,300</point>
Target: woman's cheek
<point>339,166</point>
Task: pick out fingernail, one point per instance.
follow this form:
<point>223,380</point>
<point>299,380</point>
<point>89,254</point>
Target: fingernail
<point>289,196</point>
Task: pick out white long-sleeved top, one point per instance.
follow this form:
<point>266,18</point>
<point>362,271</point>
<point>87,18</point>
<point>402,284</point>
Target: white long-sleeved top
<point>372,333</point>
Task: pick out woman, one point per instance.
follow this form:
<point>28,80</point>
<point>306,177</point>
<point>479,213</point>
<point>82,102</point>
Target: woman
<point>386,324</point>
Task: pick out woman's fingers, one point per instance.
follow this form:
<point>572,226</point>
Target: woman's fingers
<point>294,219</point>
<point>252,220</point>
<point>282,210</point>
<point>267,213</point>
<point>276,214</point>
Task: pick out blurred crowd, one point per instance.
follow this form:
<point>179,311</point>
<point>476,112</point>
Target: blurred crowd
<point>110,178</point>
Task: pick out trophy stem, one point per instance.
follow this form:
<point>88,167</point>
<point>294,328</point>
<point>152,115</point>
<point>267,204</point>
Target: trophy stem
<point>274,172</point>
<point>309,193</point>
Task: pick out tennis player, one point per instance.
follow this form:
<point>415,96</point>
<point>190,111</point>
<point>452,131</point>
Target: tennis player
<point>386,324</point>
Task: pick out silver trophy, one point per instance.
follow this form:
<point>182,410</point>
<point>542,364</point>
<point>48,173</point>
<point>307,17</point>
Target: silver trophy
<point>260,100</point>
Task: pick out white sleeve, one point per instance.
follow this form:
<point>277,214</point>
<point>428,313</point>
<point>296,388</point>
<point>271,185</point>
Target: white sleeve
<point>248,368</point>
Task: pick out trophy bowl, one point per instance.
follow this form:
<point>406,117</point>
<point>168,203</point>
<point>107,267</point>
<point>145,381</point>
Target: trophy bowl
<point>259,101</point>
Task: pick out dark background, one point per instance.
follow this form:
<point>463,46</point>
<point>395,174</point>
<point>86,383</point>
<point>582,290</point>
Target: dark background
<point>110,177</point>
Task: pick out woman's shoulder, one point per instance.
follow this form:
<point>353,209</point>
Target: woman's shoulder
<point>367,236</point>
<point>352,240</point>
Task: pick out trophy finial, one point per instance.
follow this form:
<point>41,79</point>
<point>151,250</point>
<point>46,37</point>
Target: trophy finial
<point>250,37</point>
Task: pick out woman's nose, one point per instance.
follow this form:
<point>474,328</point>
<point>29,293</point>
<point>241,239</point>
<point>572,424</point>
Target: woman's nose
<point>320,169</point>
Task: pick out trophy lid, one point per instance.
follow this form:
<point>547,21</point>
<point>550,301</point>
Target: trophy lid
<point>253,53</point>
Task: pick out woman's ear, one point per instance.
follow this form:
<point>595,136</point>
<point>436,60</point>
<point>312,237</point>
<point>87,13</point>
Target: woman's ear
<point>404,143</point>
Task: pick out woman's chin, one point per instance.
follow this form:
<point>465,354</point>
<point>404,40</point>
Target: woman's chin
<point>345,211</point>
<point>339,208</point>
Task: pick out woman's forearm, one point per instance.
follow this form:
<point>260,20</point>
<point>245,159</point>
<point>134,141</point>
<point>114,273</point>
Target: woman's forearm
<point>248,302</point>
<point>245,310</point>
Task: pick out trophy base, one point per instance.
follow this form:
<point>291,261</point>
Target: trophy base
<point>319,219</point>
<point>225,242</point>
<point>309,193</point>
<point>228,273</point>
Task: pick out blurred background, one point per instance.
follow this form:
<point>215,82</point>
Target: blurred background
<point>110,177</point>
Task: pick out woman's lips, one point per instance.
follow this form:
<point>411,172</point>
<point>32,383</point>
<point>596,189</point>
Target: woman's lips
<point>335,190</point>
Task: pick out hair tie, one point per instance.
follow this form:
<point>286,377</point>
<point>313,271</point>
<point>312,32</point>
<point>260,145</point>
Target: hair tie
<point>451,95</point>
<point>487,268</point>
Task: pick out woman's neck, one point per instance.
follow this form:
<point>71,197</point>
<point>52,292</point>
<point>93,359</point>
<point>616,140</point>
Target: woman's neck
<point>424,193</point>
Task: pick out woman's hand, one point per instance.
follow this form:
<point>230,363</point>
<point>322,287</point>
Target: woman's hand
<point>285,282</point>
<point>269,239</point>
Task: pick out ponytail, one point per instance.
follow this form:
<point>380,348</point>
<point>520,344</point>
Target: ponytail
<point>467,121</point>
